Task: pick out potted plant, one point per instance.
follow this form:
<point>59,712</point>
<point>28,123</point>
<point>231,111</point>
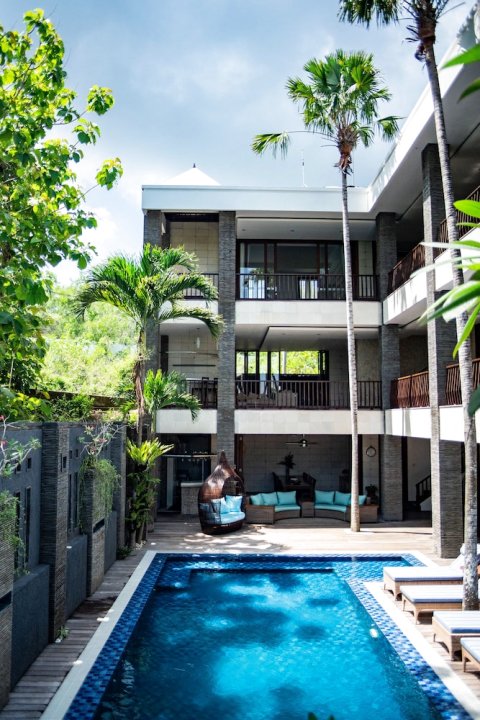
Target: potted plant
<point>288,463</point>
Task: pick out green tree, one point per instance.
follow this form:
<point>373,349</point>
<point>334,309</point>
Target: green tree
<point>148,289</point>
<point>340,103</point>
<point>164,389</point>
<point>425,15</point>
<point>92,356</point>
<point>42,212</point>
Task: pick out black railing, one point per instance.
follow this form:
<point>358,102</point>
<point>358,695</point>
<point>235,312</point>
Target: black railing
<point>423,490</point>
<point>303,286</point>
<point>192,293</point>
<point>306,394</point>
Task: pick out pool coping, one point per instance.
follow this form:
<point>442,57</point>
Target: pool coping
<point>447,675</point>
<point>68,690</point>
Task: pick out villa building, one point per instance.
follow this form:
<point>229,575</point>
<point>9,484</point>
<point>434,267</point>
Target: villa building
<point>276,256</point>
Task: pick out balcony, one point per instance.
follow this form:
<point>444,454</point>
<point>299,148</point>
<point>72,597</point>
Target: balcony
<point>305,395</point>
<point>191,293</point>
<point>415,259</point>
<point>412,391</point>
<point>295,286</point>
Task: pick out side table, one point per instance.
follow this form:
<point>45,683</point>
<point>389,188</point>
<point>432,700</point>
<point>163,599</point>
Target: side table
<point>308,508</point>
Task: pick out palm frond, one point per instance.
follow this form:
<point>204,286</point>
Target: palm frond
<point>272,141</point>
<point>173,311</point>
<point>364,11</point>
<point>165,389</point>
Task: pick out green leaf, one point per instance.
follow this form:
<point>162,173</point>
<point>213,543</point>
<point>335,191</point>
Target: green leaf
<point>465,58</point>
<point>474,403</point>
<point>473,87</point>
<point>469,207</point>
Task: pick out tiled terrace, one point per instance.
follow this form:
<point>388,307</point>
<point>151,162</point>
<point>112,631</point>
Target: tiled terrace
<point>298,536</point>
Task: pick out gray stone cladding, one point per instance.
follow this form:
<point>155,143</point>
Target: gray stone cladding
<point>119,460</point>
<point>445,459</point>
<point>93,525</point>
<point>6,585</point>
<point>390,447</point>
<point>226,343</point>
<point>54,513</point>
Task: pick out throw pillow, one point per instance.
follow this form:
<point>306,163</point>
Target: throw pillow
<point>287,498</point>
<point>257,499</point>
<point>233,503</point>
<point>324,497</point>
<point>270,498</point>
<point>342,498</point>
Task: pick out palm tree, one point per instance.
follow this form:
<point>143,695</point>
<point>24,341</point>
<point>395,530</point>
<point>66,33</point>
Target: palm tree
<point>150,288</point>
<point>339,103</point>
<point>425,15</point>
<point>163,389</point>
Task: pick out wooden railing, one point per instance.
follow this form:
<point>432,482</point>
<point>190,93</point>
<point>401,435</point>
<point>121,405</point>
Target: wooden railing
<point>415,259</point>
<point>305,394</point>
<point>193,293</point>
<point>406,267</point>
<point>410,391</point>
<point>303,286</point>
<point>205,390</point>
<point>453,393</point>
<point>461,218</point>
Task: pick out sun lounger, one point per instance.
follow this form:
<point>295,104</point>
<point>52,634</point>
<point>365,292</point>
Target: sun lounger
<point>471,651</point>
<point>449,627</point>
<point>427,598</point>
<point>394,577</point>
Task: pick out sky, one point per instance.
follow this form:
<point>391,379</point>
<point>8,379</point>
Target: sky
<point>195,80</point>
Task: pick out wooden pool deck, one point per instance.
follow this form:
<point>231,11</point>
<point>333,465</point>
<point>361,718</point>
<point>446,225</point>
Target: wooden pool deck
<point>172,534</point>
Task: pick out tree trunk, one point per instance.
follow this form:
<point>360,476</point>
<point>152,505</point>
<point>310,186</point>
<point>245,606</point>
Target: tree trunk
<point>352,361</point>
<point>470,584</point>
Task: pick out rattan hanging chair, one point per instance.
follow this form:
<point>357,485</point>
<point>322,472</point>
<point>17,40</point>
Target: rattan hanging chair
<point>216,513</point>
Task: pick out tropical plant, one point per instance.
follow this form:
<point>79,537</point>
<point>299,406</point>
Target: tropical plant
<point>149,289</point>
<point>425,15</point>
<point>164,389</point>
<point>42,204</point>
<point>339,103</point>
<point>143,484</point>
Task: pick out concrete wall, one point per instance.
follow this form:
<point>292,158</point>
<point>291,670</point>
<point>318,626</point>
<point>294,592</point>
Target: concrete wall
<point>368,360</point>
<point>110,541</point>
<point>76,584</point>
<point>29,620</point>
<point>413,355</point>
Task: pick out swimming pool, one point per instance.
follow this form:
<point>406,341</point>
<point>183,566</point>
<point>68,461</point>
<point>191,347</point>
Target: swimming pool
<point>256,637</point>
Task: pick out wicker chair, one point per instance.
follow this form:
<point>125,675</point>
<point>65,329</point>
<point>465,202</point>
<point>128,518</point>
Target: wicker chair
<point>222,482</point>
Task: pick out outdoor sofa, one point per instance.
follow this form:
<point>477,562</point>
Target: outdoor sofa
<point>336,504</point>
<point>266,508</point>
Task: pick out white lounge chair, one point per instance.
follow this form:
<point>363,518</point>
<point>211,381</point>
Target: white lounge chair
<point>471,651</point>
<point>394,577</point>
<point>450,627</point>
<point>427,598</point>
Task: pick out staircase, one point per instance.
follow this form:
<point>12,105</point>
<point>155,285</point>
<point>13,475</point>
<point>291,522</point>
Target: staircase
<point>423,490</point>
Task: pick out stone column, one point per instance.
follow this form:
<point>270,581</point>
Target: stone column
<point>226,343</point>
<point>118,458</point>
<point>445,457</point>
<point>54,514</point>
<point>156,231</point>
<point>391,496</point>
<point>92,517</point>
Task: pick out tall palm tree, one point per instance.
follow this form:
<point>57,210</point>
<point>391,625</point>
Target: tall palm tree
<point>150,288</point>
<point>425,15</point>
<point>339,103</point>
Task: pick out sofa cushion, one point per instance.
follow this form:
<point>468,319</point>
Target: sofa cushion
<point>324,496</point>
<point>282,508</point>
<point>287,498</point>
<point>270,498</point>
<point>330,506</point>
<point>231,517</point>
<point>257,499</point>
<point>234,503</point>
<point>362,499</point>
<point>342,498</point>
<point>210,514</point>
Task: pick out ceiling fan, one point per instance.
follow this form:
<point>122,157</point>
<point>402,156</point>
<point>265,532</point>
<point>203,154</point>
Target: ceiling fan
<point>302,442</point>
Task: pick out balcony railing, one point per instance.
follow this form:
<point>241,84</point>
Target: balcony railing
<point>453,393</point>
<point>205,390</point>
<point>410,391</point>
<point>415,259</point>
<point>413,390</point>
<point>306,395</point>
<point>301,286</point>
<point>192,293</point>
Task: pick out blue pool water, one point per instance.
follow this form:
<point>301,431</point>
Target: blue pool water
<point>255,638</point>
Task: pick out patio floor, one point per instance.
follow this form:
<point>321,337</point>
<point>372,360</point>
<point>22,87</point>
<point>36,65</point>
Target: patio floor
<point>172,534</point>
